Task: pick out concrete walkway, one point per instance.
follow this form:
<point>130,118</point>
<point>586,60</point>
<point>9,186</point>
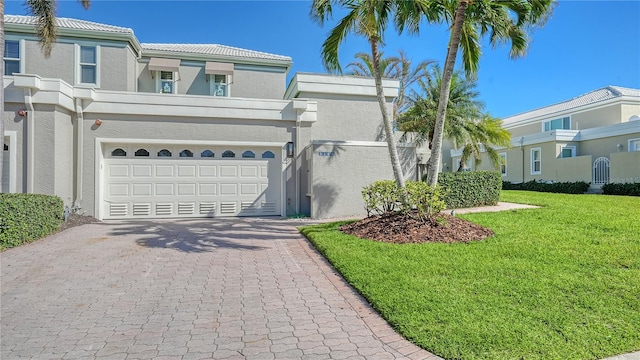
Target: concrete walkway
<point>192,289</point>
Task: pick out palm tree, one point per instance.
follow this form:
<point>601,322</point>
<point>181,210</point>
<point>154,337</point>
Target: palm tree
<point>466,126</point>
<point>469,20</point>
<point>367,18</point>
<point>45,12</point>
<point>395,67</point>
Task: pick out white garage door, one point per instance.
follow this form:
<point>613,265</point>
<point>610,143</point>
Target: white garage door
<point>182,181</point>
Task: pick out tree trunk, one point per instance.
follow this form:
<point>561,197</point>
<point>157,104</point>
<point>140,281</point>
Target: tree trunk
<point>2,93</point>
<point>434,163</point>
<point>388,129</point>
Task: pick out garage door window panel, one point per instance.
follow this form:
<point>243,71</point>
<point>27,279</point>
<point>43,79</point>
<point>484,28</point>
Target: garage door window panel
<point>142,152</point>
<point>249,154</point>
<point>164,153</point>
<point>268,155</point>
<point>207,154</point>
<point>186,153</point>
<point>118,152</point>
<point>228,154</point>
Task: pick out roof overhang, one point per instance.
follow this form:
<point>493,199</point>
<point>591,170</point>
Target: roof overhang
<point>306,84</point>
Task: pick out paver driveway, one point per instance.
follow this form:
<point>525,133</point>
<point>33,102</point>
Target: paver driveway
<point>210,289</point>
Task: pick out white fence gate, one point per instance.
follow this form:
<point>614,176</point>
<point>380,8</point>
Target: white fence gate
<point>601,171</point>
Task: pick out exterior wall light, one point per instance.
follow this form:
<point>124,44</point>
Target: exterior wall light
<point>98,122</point>
<point>619,147</point>
<point>22,112</point>
<point>290,149</point>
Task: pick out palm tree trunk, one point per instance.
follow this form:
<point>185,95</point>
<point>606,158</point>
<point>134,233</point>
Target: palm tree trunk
<point>433,165</point>
<point>1,91</point>
<point>388,129</point>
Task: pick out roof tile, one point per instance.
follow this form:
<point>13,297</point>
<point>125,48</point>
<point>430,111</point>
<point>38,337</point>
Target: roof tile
<point>67,23</point>
<point>215,49</point>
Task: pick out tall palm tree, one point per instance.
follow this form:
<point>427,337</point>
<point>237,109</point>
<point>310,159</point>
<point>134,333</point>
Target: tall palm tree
<point>395,67</point>
<point>469,21</point>
<point>45,12</point>
<point>466,126</point>
<point>367,18</point>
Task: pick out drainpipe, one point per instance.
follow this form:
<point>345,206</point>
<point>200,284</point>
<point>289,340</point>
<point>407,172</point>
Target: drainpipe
<point>79,153</point>
<point>300,106</point>
<point>31,114</point>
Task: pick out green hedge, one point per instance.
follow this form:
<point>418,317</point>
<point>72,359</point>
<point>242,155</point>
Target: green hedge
<point>28,217</point>
<point>630,189</point>
<point>470,188</point>
<point>579,187</point>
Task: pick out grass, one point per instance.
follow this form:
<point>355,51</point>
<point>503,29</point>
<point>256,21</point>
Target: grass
<point>559,282</point>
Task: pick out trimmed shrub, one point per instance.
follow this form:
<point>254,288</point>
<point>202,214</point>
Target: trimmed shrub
<point>470,188</point>
<point>629,189</point>
<point>384,196</point>
<point>579,187</point>
<point>380,197</point>
<point>28,217</point>
<point>426,200</point>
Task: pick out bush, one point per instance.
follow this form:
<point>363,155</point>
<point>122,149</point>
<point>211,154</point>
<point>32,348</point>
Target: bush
<point>579,187</point>
<point>470,188</point>
<point>629,189</point>
<point>28,217</point>
<point>384,196</point>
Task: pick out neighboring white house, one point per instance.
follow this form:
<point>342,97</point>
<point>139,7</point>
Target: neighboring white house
<point>124,130</point>
<point>593,138</point>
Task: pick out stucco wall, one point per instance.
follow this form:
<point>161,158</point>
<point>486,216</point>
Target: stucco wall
<point>629,110</point>
<point>114,68</point>
<point>571,169</point>
<point>338,179</point>
<point>625,167</point>
<point>606,146</point>
<point>525,129</point>
<point>64,156</point>
<point>257,84</point>
<point>59,65</point>
<point>597,117</point>
<point>347,118</point>
<point>193,80</point>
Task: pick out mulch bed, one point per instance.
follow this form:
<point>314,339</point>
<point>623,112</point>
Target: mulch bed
<point>404,229</point>
<point>77,220</point>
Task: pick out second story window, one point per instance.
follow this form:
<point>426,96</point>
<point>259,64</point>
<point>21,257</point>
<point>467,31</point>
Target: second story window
<point>558,124</point>
<point>220,85</point>
<point>88,72</point>
<point>11,57</point>
<point>167,82</point>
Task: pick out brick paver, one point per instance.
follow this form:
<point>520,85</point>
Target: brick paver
<point>192,289</point>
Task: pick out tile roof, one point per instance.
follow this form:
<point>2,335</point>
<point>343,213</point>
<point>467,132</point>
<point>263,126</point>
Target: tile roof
<point>592,97</point>
<point>67,23</point>
<point>215,49</point>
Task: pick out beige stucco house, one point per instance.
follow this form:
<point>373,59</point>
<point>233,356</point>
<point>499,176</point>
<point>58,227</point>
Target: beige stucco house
<point>125,130</point>
<point>593,138</point>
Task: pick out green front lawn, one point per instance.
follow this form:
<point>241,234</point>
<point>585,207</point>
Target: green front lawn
<point>559,282</point>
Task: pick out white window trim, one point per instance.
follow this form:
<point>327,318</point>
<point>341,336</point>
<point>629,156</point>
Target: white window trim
<point>11,162</point>
<point>531,161</point>
<point>212,85</point>
<point>159,81</point>
<point>78,72</point>
<point>503,155</point>
<point>629,144</point>
<point>21,44</point>
<point>570,147</point>
<point>550,120</point>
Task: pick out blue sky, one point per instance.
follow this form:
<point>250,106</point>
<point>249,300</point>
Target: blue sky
<point>584,46</point>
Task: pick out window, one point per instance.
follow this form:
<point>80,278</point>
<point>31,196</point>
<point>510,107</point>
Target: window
<point>248,154</point>
<point>186,153</point>
<point>88,65</point>
<point>465,167</point>
<point>568,152</point>
<point>142,152</point>
<point>634,145</point>
<point>268,155</point>
<point>207,153</point>
<point>219,85</point>
<point>167,82</point>
<point>118,152</point>
<point>536,161</point>
<point>503,163</point>
<point>558,124</point>
<point>11,57</point>
<point>164,153</point>
<point>228,154</point>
